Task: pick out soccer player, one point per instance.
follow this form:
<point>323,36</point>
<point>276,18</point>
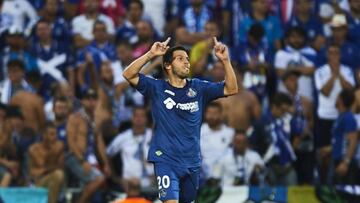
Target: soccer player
<point>177,108</point>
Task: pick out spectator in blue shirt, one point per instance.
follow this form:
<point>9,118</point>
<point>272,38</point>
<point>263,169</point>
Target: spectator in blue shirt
<point>100,50</point>
<point>54,59</point>
<point>253,56</point>
<point>307,20</point>
<point>16,50</point>
<point>59,26</point>
<point>271,24</point>
<point>353,19</point>
<point>280,154</point>
<point>344,142</point>
<point>193,22</point>
<point>134,13</point>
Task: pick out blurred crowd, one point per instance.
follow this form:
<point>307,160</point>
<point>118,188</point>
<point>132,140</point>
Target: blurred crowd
<point>68,118</point>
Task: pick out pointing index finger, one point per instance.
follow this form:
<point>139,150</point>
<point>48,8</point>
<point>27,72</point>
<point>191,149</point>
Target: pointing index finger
<point>216,41</point>
<point>167,41</point>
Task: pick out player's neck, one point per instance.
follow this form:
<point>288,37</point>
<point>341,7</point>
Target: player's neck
<point>177,82</point>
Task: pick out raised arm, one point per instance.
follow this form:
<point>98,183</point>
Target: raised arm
<point>131,73</point>
<point>222,52</point>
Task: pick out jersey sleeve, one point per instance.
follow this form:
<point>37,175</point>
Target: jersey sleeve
<point>146,85</point>
<point>350,125</point>
<point>213,90</point>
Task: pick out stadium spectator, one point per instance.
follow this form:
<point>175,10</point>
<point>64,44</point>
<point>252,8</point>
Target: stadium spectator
<point>53,57</point>
<point>126,31</point>
<point>15,81</point>
<point>330,79</point>
<point>9,164</point>
<point>201,55</point>
<point>60,27</point>
<point>215,138</point>
<point>302,123</point>
<point>306,18</point>
<point>352,18</point>
<point>115,9</point>
<point>299,57</point>
<point>349,52</point>
<point>89,59</point>
<point>133,144</point>
<point>61,108</point>
<point>253,57</point>
<point>83,141</point>
<point>242,109</point>
<point>46,163</point>
<point>193,20</point>
<point>20,14</point>
<point>344,142</point>
<point>239,164</point>
<point>280,155</point>
<point>145,38</point>
<point>15,50</point>
<point>83,25</point>
<point>271,24</point>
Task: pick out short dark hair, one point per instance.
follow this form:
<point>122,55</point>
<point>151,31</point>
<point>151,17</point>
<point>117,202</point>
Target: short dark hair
<point>257,31</point>
<point>347,97</point>
<point>281,98</point>
<point>139,2</point>
<point>60,99</point>
<point>42,20</point>
<point>240,131</point>
<point>168,56</point>
<point>99,22</point>
<point>298,30</point>
<point>214,105</point>
<point>49,124</point>
<point>137,107</point>
<point>15,63</point>
<point>125,43</point>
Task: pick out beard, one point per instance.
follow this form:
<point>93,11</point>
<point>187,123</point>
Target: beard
<point>180,74</point>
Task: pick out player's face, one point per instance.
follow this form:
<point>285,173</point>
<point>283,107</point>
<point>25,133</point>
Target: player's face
<point>16,74</point>
<point>180,64</point>
<point>51,6</point>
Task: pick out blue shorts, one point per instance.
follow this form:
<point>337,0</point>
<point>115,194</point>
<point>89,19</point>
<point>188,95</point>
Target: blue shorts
<point>176,182</point>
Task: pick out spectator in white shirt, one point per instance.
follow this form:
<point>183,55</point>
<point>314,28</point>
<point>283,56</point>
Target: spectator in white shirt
<point>239,165</point>
<point>215,137</point>
<point>82,25</point>
<point>296,56</point>
<point>19,13</point>
<point>134,146</point>
<point>330,79</point>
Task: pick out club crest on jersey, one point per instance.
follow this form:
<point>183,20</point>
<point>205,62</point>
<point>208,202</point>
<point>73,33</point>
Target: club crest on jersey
<point>191,93</point>
<point>162,193</point>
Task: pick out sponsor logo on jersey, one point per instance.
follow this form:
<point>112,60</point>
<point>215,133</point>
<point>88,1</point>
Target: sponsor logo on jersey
<point>191,93</point>
<point>169,103</point>
<point>170,92</point>
<point>190,106</point>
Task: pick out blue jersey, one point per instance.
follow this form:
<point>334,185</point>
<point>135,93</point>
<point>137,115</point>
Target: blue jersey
<point>177,115</point>
<point>343,125</point>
